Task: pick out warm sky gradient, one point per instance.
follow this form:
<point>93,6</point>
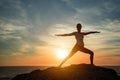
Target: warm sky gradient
<point>27,29</point>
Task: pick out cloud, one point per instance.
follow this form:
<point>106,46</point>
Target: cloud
<point>11,10</point>
<point>95,12</point>
<point>16,30</point>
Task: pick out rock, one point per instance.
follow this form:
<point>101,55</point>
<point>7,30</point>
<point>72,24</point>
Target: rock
<point>5,78</point>
<point>73,72</point>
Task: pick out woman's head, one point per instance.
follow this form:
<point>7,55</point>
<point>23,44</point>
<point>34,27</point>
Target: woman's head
<point>78,26</point>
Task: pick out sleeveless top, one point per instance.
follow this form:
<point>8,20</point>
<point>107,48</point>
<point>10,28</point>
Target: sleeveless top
<point>79,38</point>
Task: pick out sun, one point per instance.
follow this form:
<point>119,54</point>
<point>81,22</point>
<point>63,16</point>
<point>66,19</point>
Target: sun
<point>61,53</point>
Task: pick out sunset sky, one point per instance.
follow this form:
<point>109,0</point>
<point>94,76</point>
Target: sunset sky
<point>28,28</point>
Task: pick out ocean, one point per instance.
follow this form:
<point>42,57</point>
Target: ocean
<point>8,72</point>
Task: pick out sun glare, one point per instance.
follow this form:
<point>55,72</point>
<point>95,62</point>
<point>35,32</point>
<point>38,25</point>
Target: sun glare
<point>61,54</point>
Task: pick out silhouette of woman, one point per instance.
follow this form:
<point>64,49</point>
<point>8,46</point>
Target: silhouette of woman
<point>79,46</point>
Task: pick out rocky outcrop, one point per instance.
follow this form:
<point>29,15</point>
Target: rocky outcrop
<point>73,72</point>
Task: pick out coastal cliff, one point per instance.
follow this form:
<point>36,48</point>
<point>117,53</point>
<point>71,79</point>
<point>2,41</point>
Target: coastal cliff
<point>73,72</point>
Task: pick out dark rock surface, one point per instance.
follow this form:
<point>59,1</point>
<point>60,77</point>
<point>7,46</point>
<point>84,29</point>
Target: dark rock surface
<point>5,78</point>
<point>73,72</point>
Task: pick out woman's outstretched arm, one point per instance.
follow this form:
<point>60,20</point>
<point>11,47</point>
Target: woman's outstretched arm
<point>69,34</point>
<point>91,32</point>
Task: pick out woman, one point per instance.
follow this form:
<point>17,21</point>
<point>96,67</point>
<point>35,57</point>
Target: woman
<point>79,46</point>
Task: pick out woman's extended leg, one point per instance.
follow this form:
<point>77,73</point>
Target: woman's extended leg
<point>74,50</point>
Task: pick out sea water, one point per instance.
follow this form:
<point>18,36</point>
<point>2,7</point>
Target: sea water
<point>8,72</point>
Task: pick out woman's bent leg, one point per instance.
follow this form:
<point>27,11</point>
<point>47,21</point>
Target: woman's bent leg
<point>83,49</point>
